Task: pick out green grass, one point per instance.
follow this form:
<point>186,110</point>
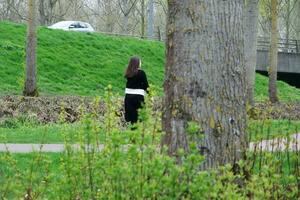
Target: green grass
<point>55,133</point>
<point>268,129</point>
<point>285,92</point>
<point>51,133</point>
<point>72,63</point>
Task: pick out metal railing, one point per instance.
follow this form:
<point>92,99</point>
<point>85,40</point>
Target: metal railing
<point>284,45</point>
<point>263,43</point>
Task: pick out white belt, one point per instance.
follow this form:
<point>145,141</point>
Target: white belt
<point>135,91</point>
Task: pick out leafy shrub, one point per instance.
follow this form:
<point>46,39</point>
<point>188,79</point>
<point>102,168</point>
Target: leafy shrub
<point>113,162</point>
<point>22,120</point>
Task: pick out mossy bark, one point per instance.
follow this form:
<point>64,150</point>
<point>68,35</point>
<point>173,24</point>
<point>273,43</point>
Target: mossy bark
<point>205,79</point>
<point>30,88</point>
<point>250,25</point>
<point>273,52</point>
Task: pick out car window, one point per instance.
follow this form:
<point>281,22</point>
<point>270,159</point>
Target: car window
<point>83,25</point>
<point>74,25</point>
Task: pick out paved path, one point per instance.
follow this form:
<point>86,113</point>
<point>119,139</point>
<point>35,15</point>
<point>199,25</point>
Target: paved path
<point>278,144</point>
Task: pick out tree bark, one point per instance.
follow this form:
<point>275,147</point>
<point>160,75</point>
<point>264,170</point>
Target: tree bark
<point>46,11</point>
<point>298,23</point>
<point>42,12</point>
<point>273,53</point>
<point>205,79</point>
<point>142,18</point>
<point>251,23</point>
<point>30,79</point>
<point>287,23</point>
<point>125,24</point>
<point>109,24</point>
<point>150,21</point>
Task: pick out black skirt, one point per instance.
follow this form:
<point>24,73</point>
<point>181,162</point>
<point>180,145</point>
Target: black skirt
<point>132,103</point>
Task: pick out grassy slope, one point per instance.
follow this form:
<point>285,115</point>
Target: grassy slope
<point>71,63</point>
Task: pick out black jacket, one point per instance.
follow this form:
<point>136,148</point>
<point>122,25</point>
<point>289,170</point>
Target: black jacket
<point>139,81</point>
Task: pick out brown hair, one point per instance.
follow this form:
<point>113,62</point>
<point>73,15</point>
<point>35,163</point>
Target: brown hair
<point>133,67</point>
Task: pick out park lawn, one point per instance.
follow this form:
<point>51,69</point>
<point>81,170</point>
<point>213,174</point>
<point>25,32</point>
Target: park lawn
<point>84,64</point>
<point>56,133</point>
<point>268,129</point>
<point>73,63</point>
<point>50,133</point>
<point>285,92</point>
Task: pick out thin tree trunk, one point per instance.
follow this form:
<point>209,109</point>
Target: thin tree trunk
<point>126,16</point>
<point>298,22</point>
<point>142,18</point>
<point>42,12</point>
<point>273,53</point>
<point>30,80</point>
<point>150,21</point>
<point>251,23</point>
<point>287,24</point>
<point>158,34</point>
<point>109,18</point>
<point>205,79</point>
<point>125,24</point>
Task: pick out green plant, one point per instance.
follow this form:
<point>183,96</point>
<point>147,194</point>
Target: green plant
<point>116,162</point>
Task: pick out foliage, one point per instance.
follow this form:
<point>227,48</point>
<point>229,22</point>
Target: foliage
<point>113,162</point>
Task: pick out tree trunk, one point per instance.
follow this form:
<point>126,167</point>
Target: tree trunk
<point>126,16</point>
<point>150,21</point>
<point>30,79</point>
<point>251,22</point>
<point>109,18</point>
<point>205,79</point>
<point>287,24</point>
<point>273,53</point>
<point>158,34</point>
<point>298,23</point>
<point>125,24</point>
<point>142,18</point>
<point>42,12</point>
<point>46,11</point>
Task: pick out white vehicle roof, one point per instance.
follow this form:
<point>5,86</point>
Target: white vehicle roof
<point>66,24</point>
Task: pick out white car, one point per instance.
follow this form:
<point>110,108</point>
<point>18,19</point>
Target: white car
<point>73,26</point>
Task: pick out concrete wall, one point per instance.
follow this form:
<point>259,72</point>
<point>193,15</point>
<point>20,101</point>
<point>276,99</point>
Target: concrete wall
<point>287,62</point>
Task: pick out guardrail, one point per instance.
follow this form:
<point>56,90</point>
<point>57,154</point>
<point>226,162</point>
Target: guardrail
<point>263,43</point>
<point>284,45</point>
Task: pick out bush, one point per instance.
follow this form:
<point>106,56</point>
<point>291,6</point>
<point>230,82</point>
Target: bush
<point>22,120</point>
<point>116,162</point>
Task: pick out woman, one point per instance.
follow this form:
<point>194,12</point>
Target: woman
<point>136,88</point>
